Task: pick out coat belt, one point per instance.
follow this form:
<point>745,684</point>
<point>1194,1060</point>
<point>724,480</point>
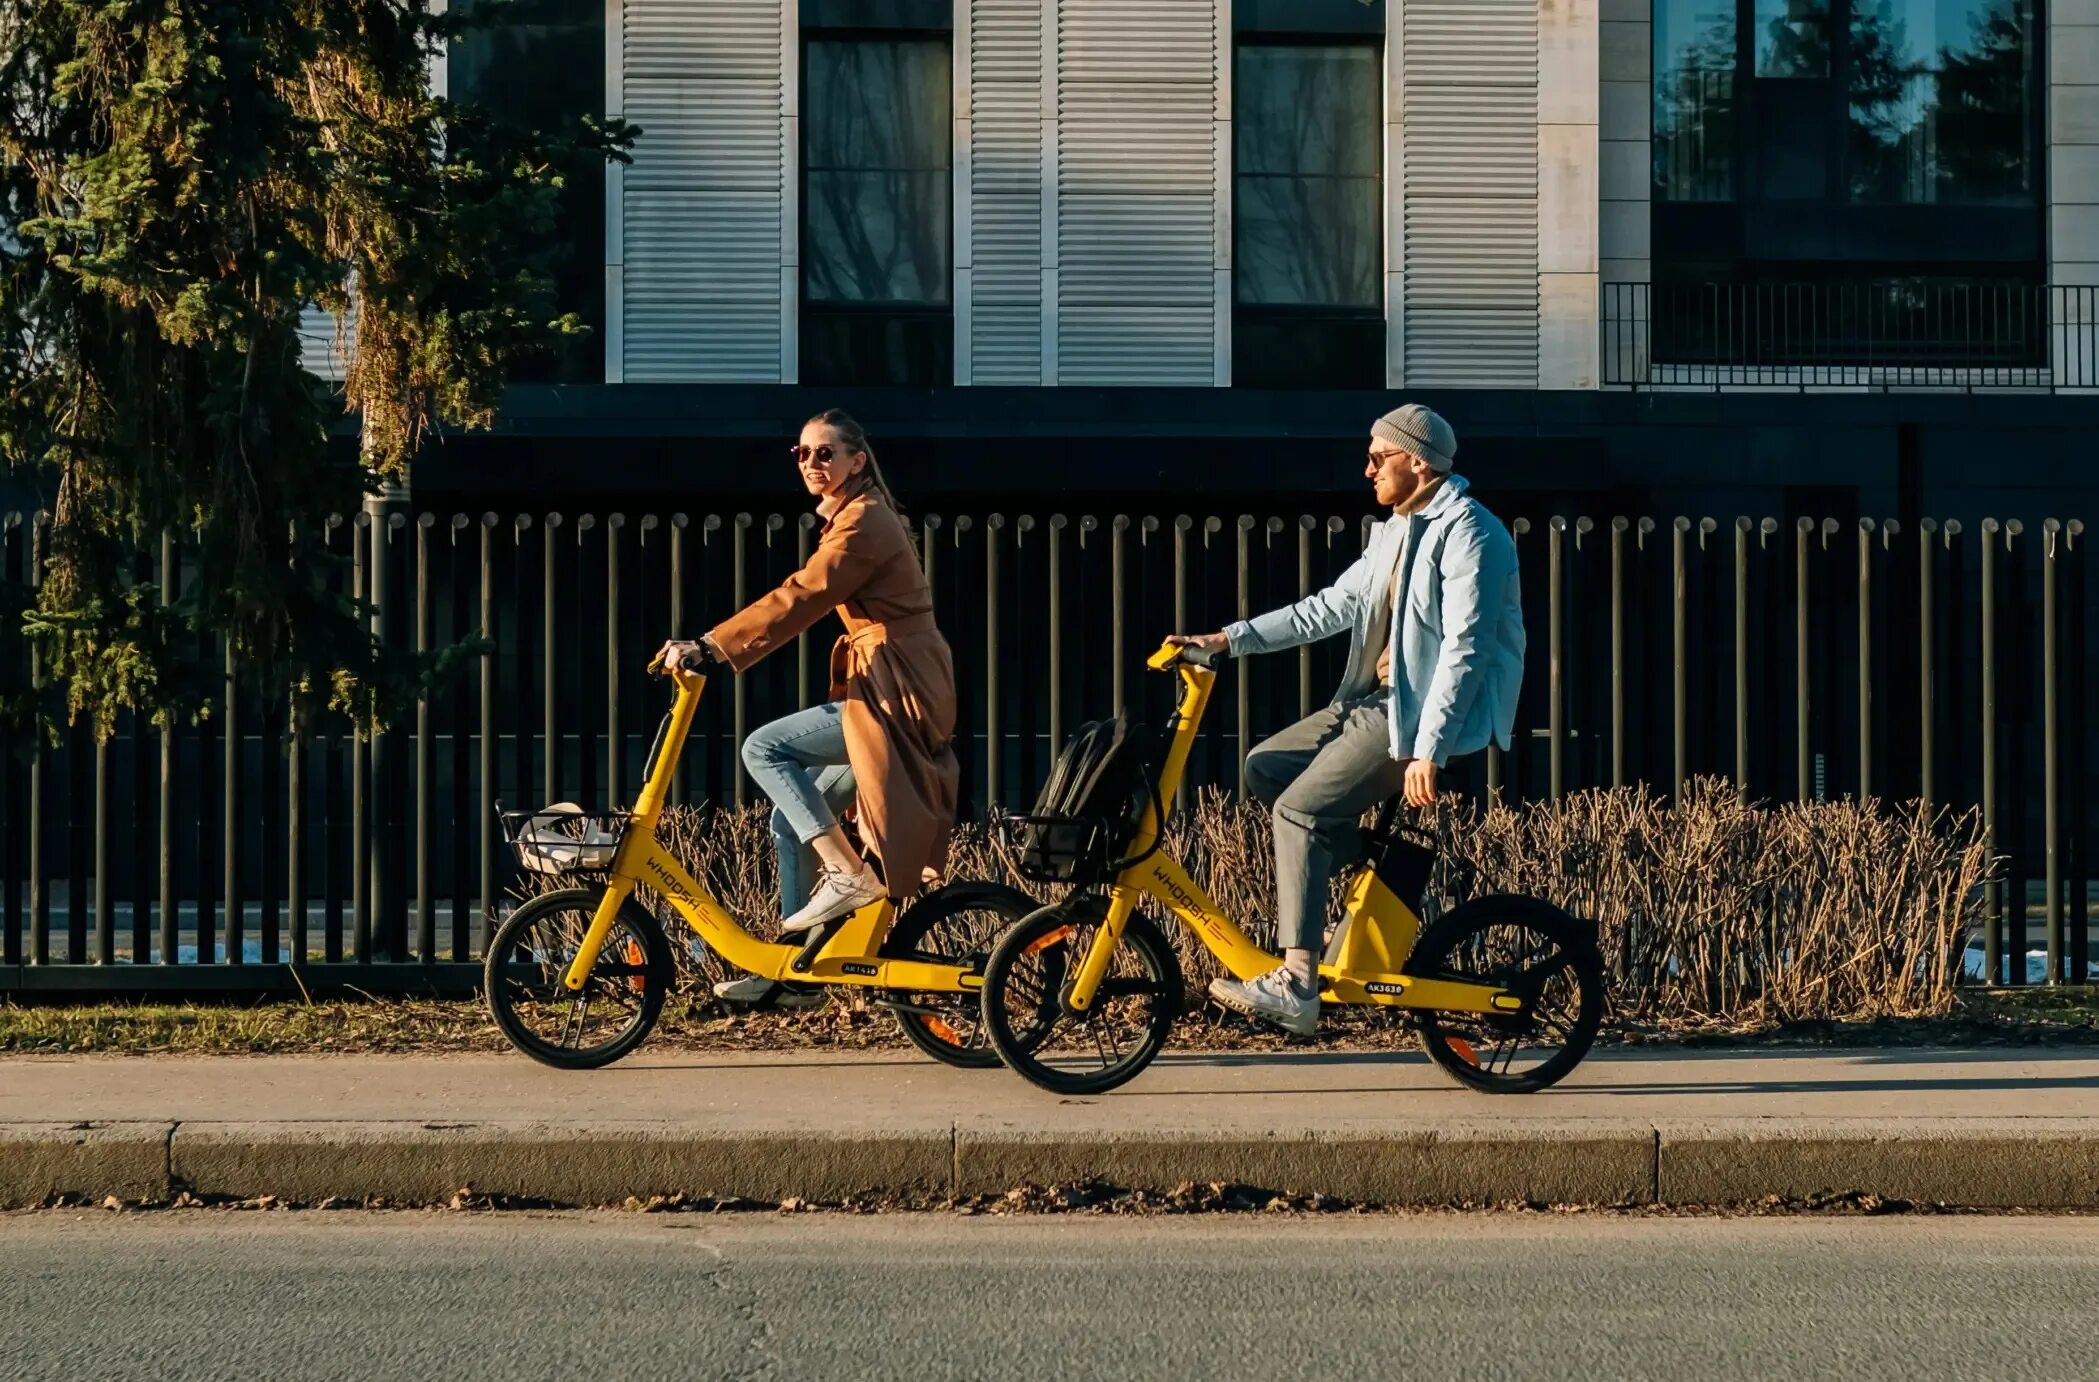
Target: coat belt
<point>871,635</point>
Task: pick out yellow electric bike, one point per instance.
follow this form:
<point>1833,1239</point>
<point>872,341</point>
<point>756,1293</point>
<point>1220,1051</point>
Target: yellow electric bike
<point>1507,992</point>
<point>577,977</point>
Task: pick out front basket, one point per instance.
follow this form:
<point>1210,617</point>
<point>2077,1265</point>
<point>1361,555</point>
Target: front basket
<point>1056,848</point>
<point>563,838</point>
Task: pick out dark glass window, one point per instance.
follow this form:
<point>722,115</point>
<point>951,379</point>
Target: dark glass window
<point>877,238</point>
<point>1942,102</point>
<point>1308,190</point>
<point>1847,181</point>
<point>1903,102</point>
<point>540,64</point>
<point>1847,140</point>
<point>1694,100</point>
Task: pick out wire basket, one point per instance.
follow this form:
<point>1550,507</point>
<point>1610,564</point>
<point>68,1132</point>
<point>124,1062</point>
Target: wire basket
<point>563,838</point>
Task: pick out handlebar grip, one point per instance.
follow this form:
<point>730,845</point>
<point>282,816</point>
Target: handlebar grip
<point>1171,653</point>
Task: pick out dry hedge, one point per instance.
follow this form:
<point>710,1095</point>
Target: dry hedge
<point>1710,910</point>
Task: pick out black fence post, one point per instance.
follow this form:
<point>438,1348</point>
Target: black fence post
<point>425,882</point>
<point>2051,759</point>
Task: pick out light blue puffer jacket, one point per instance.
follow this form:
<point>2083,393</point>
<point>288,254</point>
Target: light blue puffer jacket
<point>1456,636</point>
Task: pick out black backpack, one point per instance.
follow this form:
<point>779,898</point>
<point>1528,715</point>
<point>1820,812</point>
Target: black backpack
<point>1090,809</point>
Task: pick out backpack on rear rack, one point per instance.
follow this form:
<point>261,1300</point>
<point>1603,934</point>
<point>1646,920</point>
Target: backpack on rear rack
<point>1090,809</point>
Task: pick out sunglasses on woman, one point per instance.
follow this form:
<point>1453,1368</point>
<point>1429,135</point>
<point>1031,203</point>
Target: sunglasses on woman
<point>822,455</point>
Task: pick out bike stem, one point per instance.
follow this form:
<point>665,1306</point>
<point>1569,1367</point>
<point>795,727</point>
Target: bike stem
<point>1196,685</point>
<point>648,809</point>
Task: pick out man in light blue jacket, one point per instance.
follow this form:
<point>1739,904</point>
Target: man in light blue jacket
<point>1435,661</point>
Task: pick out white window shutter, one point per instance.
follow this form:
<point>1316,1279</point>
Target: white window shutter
<point>707,214</point>
<point>1005,190</point>
<point>1137,191</point>
<point>323,348</point>
<point>1468,181</point>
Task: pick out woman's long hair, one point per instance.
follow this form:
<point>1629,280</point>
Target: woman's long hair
<point>853,437</point>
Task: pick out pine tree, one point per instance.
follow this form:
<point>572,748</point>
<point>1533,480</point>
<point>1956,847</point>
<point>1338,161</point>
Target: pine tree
<point>180,177</point>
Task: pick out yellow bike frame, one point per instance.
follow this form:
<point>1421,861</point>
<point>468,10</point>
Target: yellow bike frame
<point>849,956</point>
<point>1378,932</point>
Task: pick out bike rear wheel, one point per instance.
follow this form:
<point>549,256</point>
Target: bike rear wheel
<point>955,925</point>
<point>1027,983</point>
<point>1534,950</point>
<point>616,1007</point>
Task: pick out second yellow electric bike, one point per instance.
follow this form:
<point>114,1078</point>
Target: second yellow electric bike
<point>576,978</point>
<point>1507,992</point>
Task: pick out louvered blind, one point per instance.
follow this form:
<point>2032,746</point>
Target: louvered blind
<point>320,346</point>
<point>1005,190</point>
<point>1469,179</point>
<point>1137,191</point>
<point>705,203</point>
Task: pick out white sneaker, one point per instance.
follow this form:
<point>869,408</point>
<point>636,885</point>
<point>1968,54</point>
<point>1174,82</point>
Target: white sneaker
<point>837,894</point>
<point>753,990</point>
<point>1272,997</point>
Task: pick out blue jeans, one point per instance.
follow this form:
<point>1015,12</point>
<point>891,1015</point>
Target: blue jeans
<point>799,762</point>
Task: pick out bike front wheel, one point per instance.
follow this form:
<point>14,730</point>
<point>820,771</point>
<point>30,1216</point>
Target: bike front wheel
<point>1028,982</point>
<point>579,1029</point>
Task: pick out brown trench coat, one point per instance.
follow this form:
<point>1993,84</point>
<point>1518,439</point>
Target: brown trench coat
<point>892,671</point>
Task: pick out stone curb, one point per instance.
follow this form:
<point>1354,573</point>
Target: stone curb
<point>2035,1163</point>
<point>1982,1162</point>
<point>1604,1161</point>
<point>39,1161</point>
<point>603,1163</point>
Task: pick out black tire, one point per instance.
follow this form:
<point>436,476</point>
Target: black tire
<point>1531,948</point>
<point>1064,1052</point>
<point>957,924</point>
<point>530,953</point>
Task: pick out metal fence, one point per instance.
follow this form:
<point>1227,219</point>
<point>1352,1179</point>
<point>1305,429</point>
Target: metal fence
<point>1808,659</point>
<point>1898,333</point>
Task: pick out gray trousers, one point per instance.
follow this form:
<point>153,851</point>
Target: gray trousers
<point>1320,776</point>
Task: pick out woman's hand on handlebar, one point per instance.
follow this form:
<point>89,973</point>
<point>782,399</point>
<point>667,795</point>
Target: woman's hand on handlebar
<point>686,655</point>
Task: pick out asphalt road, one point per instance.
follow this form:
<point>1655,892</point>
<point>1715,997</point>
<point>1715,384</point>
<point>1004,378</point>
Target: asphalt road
<point>356,1295</point>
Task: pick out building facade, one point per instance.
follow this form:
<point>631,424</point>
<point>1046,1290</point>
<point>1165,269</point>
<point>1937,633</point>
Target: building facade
<point>1748,253</point>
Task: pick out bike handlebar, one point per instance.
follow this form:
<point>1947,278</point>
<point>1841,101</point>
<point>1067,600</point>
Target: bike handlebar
<point>659,667</point>
<point>1171,654</point>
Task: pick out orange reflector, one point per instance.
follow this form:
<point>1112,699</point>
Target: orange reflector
<point>1464,1050</point>
<point>943,1031</point>
<point>1056,937</point>
<point>634,957</point>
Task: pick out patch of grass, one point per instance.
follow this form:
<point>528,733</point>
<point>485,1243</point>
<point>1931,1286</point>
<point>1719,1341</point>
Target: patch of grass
<point>692,1022</point>
<point>228,1029</point>
<point>379,1026</point>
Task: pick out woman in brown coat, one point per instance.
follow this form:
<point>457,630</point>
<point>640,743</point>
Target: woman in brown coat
<point>885,732</point>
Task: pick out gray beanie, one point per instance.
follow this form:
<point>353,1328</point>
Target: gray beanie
<point>1419,430</point>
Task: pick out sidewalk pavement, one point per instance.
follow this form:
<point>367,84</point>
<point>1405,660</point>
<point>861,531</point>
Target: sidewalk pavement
<point>1996,1127</point>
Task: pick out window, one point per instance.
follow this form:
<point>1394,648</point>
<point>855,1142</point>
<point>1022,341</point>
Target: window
<point>877,237</point>
<point>1897,136</point>
<point>1902,102</point>
<point>1694,100</point>
<point>540,64</point>
<point>1308,204</point>
<point>1942,107</point>
<point>1847,180</point>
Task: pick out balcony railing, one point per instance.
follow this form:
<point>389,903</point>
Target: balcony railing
<point>1883,334</point>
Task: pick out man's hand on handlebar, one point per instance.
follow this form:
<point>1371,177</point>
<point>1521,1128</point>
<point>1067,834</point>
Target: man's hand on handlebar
<point>1202,642</point>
